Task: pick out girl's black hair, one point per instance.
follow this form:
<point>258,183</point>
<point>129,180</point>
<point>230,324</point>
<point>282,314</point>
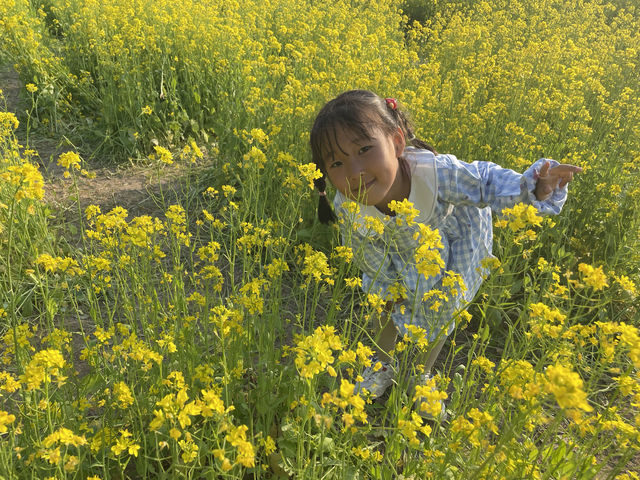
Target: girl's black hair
<point>325,212</point>
<point>359,111</point>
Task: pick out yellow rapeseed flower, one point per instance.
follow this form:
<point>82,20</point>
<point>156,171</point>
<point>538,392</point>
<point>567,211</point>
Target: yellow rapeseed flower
<point>567,387</point>
<point>316,266</point>
<point>26,179</point>
<point>405,212</point>
<point>69,160</point>
<point>8,123</point>
<point>64,436</point>
<point>593,277</point>
<point>430,398</point>
<point>59,264</point>
<point>237,436</point>
<point>125,442</point>
<point>353,282</point>
<point>310,172</point>
<point>374,224</point>
<point>43,366</point>
<point>520,216</point>
<point>123,394</point>
<point>211,403</point>
<point>627,284</point>
<point>162,154</point>
<point>8,383</point>
<point>315,352</point>
<point>5,419</point>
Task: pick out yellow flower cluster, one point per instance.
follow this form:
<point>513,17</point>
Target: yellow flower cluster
<point>546,322</point>
<point>409,428</point>
<point>314,353</point>
<point>405,212</point>
<point>257,237</point>
<point>417,336</point>
<point>350,402</point>
<point>191,152</point>
<point>135,349</point>
<point>567,387</point>
<point>177,218</point>
<point>59,264</point>
<point>427,256</point>
<point>125,442</point>
<point>123,395</point>
<point>627,284</point>
<point>227,320</point>
<point>69,160</point>
<point>6,419</point>
<point>45,367</point>
<point>56,456</point>
<point>367,453</point>
<point>8,383</point>
<point>316,265</point>
<point>162,154</point>
<point>26,181</point>
<point>276,268</point>
<point>209,255</point>
<point>254,158</point>
<point>593,276</point>
<point>237,437</point>
<point>519,379</point>
<point>476,429</point>
<point>18,339</point>
<point>251,295</point>
<point>518,218</point>
<point>310,173</point>
<point>430,398</point>
<point>175,409</point>
<point>8,123</point>
<point>373,224</point>
<point>64,436</point>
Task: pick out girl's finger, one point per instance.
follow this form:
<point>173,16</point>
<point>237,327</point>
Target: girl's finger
<point>566,179</point>
<point>544,170</point>
<point>565,169</point>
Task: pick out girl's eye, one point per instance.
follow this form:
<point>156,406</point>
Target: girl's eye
<point>335,165</point>
<point>365,149</point>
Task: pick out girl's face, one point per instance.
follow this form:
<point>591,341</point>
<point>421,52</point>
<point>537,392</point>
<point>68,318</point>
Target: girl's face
<point>367,170</point>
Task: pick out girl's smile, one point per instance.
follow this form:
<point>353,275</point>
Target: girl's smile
<point>367,169</point>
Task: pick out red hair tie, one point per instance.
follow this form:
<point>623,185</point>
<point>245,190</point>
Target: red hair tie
<point>391,103</point>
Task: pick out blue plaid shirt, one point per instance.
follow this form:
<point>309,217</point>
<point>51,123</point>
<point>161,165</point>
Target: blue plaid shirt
<point>457,198</point>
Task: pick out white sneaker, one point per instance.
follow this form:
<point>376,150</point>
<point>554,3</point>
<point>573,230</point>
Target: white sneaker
<point>427,401</point>
<point>376,380</point>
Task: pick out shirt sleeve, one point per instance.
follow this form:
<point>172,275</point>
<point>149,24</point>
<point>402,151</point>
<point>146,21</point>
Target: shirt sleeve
<point>485,184</point>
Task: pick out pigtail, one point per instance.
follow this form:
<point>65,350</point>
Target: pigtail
<point>325,212</point>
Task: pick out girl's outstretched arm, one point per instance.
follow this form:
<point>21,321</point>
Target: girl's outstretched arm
<point>487,184</point>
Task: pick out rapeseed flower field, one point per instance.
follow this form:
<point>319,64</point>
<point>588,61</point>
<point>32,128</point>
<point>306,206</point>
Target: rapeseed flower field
<point>224,337</point>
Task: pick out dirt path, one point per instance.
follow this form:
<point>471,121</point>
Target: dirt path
<point>133,187</point>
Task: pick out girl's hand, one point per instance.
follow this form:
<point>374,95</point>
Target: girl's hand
<point>551,178</point>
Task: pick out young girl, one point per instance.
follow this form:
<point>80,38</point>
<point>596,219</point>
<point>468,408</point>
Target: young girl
<point>359,142</point>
